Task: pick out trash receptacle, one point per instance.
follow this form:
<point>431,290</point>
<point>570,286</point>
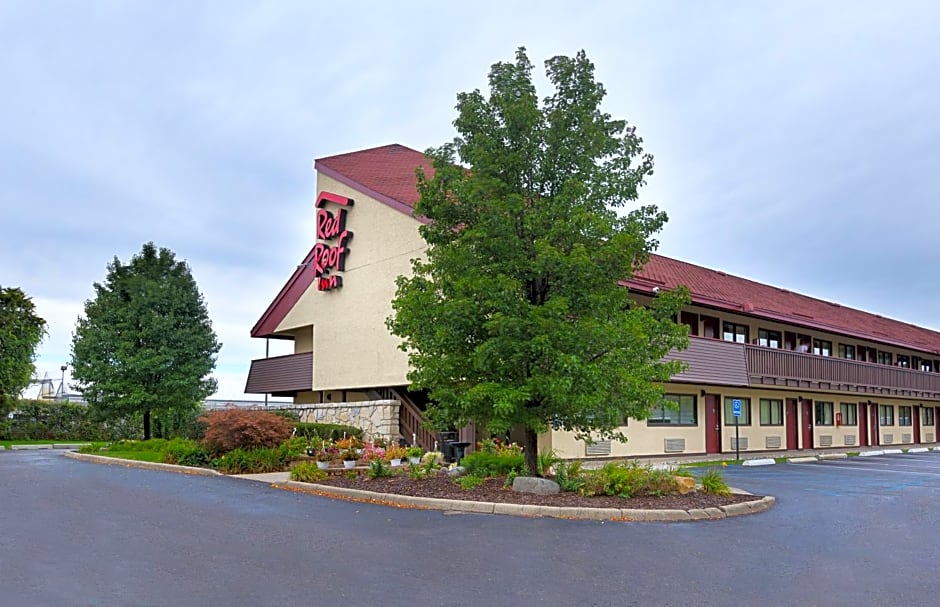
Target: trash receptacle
<point>446,442</point>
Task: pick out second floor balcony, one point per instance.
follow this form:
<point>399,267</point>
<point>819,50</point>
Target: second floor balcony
<point>716,361</point>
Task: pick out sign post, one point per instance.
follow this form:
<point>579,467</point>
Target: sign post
<point>736,411</point>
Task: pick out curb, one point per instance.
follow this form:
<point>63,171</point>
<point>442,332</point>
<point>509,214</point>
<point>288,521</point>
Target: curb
<point>430,503</point>
<point>566,512</point>
<point>132,463</point>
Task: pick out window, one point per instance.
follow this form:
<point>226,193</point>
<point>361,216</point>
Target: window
<point>904,361</point>
<point>769,339</point>
<point>682,413</point>
<point>886,415</point>
<point>928,416</point>
<point>771,412</point>
<point>822,347</point>
<point>849,413</point>
<point>904,415</point>
<point>824,414</point>
<point>846,351</point>
<point>735,332</point>
<point>885,358</point>
<point>926,366</point>
<point>745,419</point>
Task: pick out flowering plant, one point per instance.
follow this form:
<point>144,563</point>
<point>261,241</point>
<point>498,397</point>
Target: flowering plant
<point>349,443</point>
<point>380,442</point>
<point>350,454</point>
<point>328,454</point>
<point>371,452</point>
<point>394,452</point>
<point>414,451</point>
<point>433,458</point>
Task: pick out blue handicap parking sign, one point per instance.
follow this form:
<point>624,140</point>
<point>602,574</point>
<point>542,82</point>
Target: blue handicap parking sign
<point>736,407</point>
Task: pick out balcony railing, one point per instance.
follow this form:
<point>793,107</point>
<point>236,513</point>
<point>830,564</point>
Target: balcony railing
<point>784,367</point>
<point>281,375</point>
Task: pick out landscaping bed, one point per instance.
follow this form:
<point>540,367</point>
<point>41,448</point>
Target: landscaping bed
<point>494,490</point>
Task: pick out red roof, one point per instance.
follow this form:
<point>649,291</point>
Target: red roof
<point>724,291</point>
<point>387,174</point>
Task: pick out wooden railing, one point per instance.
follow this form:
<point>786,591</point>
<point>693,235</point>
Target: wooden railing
<point>411,421</point>
<point>789,365</point>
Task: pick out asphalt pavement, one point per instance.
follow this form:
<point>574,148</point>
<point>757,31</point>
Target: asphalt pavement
<point>849,532</point>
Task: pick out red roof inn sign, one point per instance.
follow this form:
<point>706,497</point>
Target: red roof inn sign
<point>329,254</point>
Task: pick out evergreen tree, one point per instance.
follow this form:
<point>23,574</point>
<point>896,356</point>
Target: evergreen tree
<point>145,344</point>
<point>21,331</point>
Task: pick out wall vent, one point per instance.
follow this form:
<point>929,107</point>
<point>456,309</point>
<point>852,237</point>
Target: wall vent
<point>674,445</point>
<point>906,438</point>
<point>929,437</point>
<point>735,444</point>
<point>849,440</point>
<point>772,442</point>
<point>600,447</point>
<point>825,440</point>
<point>888,439</point>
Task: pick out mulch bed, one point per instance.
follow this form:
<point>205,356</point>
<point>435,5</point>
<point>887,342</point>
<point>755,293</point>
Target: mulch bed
<point>492,490</point>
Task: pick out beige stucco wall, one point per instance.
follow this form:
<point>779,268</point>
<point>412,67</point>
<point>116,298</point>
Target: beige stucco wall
<point>353,348</point>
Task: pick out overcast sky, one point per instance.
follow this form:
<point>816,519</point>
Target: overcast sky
<point>796,143</point>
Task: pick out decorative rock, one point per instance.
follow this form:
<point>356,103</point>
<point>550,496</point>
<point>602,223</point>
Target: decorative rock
<point>456,471</point>
<point>685,484</point>
<point>764,461</point>
<point>533,484</point>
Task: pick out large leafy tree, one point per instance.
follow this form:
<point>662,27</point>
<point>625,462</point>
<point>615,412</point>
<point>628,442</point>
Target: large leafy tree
<point>145,344</point>
<point>21,331</point>
<point>515,320</point>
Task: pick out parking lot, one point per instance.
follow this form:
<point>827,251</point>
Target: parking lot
<point>851,532</point>
<point>879,477</point>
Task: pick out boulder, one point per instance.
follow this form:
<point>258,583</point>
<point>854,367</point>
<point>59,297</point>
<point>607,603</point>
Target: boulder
<point>532,484</point>
<point>686,484</point>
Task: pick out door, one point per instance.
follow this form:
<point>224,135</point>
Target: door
<point>916,420</point>
<point>690,319</point>
<point>793,425</point>
<point>712,424</point>
<point>710,327</point>
<point>873,424</point>
<point>807,424</point>
<point>862,425</point>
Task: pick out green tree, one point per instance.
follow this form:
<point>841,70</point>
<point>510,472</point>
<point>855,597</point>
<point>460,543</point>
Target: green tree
<point>21,331</point>
<point>515,320</point>
<point>145,344</point>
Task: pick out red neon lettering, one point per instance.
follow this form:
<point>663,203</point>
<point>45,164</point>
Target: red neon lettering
<point>326,258</point>
<point>330,257</point>
<point>329,225</point>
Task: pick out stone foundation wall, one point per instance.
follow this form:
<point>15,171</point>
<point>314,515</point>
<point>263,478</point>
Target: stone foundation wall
<point>375,417</point>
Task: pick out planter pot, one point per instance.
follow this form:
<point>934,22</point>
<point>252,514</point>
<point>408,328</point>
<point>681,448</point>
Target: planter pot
<point>414,460</point>
<point>323,465</point>
<point>396,462</point>
<point>349,463</point>
<point>311,452</point>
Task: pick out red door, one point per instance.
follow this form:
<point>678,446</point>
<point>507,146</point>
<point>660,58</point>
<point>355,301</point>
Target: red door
<point>807,424</point>
<point>916,416</point>
<point>793,425</point>
<point>873,416</point>
<point>712,424</point>
<point>862,425</point>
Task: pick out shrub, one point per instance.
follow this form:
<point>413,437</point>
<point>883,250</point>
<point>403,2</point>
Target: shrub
<point>714,482</point>
<point>307,472</point>
<point>628,479</point>
<point>492,463</point>
<point>569,476</point>
<point>295,446</point>
<point>230,429</point>
<point>57,420</point>
<point>378,469</point>
<point>469,481</point>
<point>546,461</point>
<point>184,452</point>
<point>254,461</point>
